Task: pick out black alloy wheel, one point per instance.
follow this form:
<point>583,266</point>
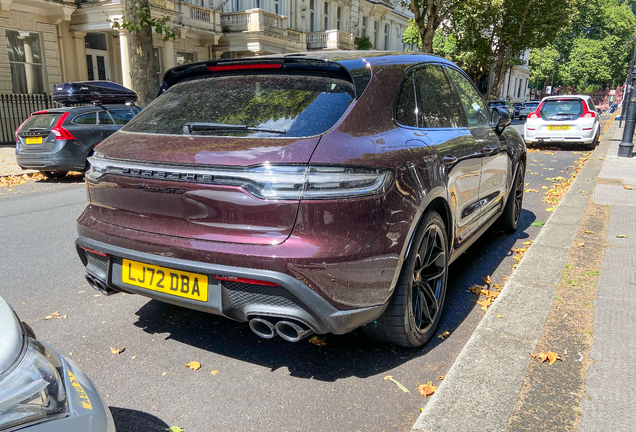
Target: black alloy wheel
<point>415,308</point>
<point>509,219</point>
<point>429,275</point>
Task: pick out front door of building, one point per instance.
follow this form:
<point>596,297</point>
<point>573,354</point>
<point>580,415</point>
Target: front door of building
<point>97,65</point>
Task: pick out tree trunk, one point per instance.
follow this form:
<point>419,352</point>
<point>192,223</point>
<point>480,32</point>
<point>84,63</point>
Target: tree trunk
<point>143,66</point>
<point>500,73</point>
<point>427,39</point>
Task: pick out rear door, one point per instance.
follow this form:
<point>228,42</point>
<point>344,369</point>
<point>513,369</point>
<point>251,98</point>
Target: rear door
<point>444,125</point>
<point>84,128</point>
<point>495,162</point>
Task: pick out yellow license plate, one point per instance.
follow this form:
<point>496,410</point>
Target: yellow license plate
<point>558,127</point>
<point>174,282</point>
<point>34,140</point>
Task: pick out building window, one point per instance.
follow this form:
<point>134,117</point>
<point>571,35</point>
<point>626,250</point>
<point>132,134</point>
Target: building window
<point>276,10</point>
<point>185,58</point>
<point>237,5</point>
<point>364,26</point>
<point>375,34</point>
<point>338,17</point>
<point>326,16</point>
<point>312,15</point>
<point>25,60</point>
<point>386,36</point>
<point>95,41</point>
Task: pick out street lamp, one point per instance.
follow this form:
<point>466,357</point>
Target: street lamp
<point>626,147</point>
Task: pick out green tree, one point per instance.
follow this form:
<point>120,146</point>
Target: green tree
<point>363,43</point>
<point>143,66</point>
<point>429,15</point>
<point>411,36</point>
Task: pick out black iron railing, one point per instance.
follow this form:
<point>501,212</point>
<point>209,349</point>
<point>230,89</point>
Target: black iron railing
<point>15,108</point>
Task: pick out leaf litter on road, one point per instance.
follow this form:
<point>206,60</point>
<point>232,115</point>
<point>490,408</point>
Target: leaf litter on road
<point>117,350</point>
<point>427,389</point>
<point>55,314</point>
<point>549,356</point>
<point>194,365</point>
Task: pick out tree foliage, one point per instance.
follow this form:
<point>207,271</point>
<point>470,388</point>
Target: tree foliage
<point>411,36</point>
<point>142,18</point>
<point>429,15</point>
<point>363,43</point>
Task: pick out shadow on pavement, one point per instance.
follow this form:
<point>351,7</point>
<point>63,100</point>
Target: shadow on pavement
<point>127,420</point>
<point>352,354</point>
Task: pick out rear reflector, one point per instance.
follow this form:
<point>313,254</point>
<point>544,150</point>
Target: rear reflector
<point>94,252</point>
<point>244,280</point>
<point>244,67</point>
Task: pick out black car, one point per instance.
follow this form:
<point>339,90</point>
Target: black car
<point>59,140</point>
<point>505,104</point>
<point>517,106</point>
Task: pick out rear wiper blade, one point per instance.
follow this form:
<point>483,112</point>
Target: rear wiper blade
<point>203,127</point>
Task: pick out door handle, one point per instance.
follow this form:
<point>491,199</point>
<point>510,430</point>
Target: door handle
<point>489,150</point>
<point>449,160</point>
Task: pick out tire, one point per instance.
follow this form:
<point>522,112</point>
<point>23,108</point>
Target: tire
<point>509,219</point>
<point>594,143</point>
<point>55,174</point>
<point>415,308</point>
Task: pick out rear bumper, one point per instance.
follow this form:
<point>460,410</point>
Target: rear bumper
<point>544,136</point>
<point>67,158</point>
<point>290,298</point>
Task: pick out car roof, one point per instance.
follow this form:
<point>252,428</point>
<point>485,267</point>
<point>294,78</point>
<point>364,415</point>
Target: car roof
<point>85,108</point>
<point>564,97</point>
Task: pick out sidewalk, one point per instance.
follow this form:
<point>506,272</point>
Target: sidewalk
<point>494,385</point>
<point>8,165</point>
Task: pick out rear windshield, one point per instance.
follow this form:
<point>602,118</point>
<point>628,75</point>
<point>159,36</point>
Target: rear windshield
<point>531,105</point>
<point>282,105</point>
<point>40,121</point>
<point>568,107</point>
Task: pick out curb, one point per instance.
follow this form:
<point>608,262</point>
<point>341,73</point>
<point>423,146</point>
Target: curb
<point>469,399</point>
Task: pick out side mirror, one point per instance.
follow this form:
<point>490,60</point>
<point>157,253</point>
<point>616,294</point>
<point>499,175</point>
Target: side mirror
<point>499,119</point>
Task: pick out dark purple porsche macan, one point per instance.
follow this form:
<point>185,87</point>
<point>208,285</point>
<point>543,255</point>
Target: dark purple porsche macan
<point>304,193</point>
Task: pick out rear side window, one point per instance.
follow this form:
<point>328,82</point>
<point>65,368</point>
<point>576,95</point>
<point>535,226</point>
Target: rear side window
<point>590,105</point>
<point>406,108</point>
<point>86,119</point>
<point>40,121</point>
<point>104,118</point>
<point>298,105</point>
<point>437,104</point>
<point>122,116</point>
<point>569,108</point>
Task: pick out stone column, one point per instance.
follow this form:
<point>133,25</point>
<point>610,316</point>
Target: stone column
<point>125,60</point>
<point>80,54</point>
<point>168,54</point>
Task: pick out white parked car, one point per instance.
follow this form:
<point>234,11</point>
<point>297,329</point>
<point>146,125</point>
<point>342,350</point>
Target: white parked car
<point>527,108</point>
<point>563,119</point>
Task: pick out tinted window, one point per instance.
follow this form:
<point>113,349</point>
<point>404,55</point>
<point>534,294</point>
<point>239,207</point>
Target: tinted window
<point>470,98</point>
<point>104,118</point>
<point>436,102</point>
<point>299,105</point>
<point>89,118</point>
<point>40,121</point>
<point>590,104</point>
<point>406,107</point>
<point>123,116</point>
<point>568,108</point>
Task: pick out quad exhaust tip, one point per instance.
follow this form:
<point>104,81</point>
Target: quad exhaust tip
<point>99,286</point>
<point>289,330</point>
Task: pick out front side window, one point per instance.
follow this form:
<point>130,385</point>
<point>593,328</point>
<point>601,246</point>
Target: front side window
<point>25,61</point>
<point>470,98</point>
<point>277,105</point>
<point>437,106</point>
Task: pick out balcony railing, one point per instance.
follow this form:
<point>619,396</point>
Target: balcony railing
<point>198,17</point>
<point>254,20</point>
<point>330,39</point>
<point>297,40</point>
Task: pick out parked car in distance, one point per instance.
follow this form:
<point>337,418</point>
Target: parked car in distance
<point>564,119</point>
<point>505,104</point>
<point>58,140</point>
<point>528,107</point>
<point>312,193</point>
<point>517,106</point>
<point>40,390</point>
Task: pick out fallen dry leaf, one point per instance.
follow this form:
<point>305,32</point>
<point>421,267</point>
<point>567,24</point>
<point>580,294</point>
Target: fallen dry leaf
<point>174,429</point>
<point>318,341</point>
<point>55,314</point>
<point>443,335</point>
<point>117,350</point>
<point>485,302</point>
<point>441,377</point>
<point>549,356</point>
<point>499,316</point>
<point>194,365</point>
<point>628,187</point>
<point>582,244</point>
<point>487,279</point>
<point>214,372</point>
<point>621,236</point>
<point>589,232</point>
<point>427,389</point>
<point>400,386</point>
